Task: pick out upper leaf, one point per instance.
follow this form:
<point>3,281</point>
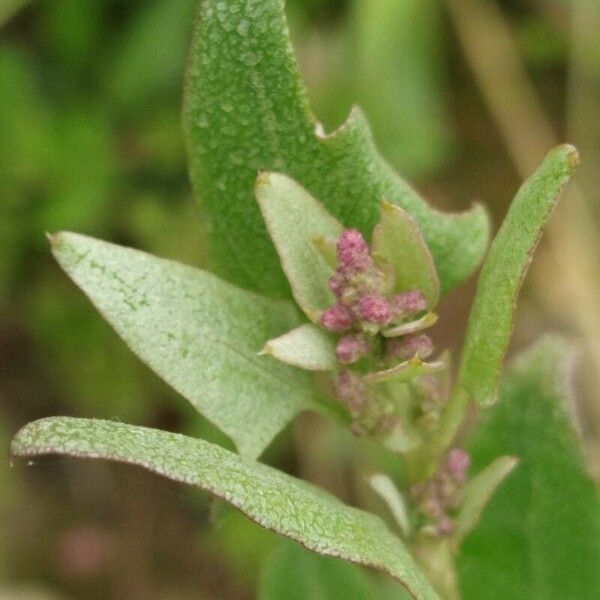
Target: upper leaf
<point>398,241</point>
<point>539,538</point>
<point>198,333</point>
<point>491,319</point>
<point>294,219</point>
<point>286,505</point>
<point>246,111</point>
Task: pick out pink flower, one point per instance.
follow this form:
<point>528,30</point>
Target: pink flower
<point>352,251</point>
<point>336,284</point>
<point>458,462</point>
<point>351,348</point>
<point>409,303</point>
<point>374,309</point>
<point>337,318</point>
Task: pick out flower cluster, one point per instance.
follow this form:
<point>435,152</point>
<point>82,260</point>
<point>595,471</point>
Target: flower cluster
<point>438,497</point>
<point>363,292</point>
<point>366,307</point>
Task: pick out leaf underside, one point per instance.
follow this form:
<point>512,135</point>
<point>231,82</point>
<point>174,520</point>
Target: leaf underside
<point>246,110</point>
<point>198,333</point>
<point>491,319</point>
<point>539,538</point>
<point>288,506</point>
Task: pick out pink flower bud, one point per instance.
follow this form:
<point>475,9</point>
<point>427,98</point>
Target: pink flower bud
<point>409,303</point>
<point>351,348</point>
<point>445,525</point>
<point>336,284</point>
<point>374,309</point>
<point>458,462</point>
<point>337,318</point>
<point>352,251</point>
<point>409,346</point>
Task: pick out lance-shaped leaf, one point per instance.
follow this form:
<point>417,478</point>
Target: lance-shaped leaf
<point>294,220</point>
<point>491,319</point>
<point>477,494</point>
<point>288,506</point>
<point>386,489</point>
<point>539,537</point>
<point>308,347</point>
<point>398,241</point>
<point>246,111</point>
<point>198,333</point>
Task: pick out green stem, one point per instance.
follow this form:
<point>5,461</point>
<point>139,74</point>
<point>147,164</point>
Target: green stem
<point>424,462</point>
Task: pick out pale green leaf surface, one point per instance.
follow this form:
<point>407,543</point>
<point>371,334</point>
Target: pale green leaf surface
<point>398,241</point>
<point>492,315</point>
<point>198,333</point>
<point>273,499</point>
<point>308,347</point>
<point>539,537</point>
<point>294,219</point>
<point>246,110</point>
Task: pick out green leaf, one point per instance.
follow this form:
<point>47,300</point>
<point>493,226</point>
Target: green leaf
<point>307,347</point>
<point>398,241</point>
<point>295,574</point>
<point>294,220</point>
<point>198,333</point>
<point>491,319</point>
<point>477,494</point>
<point>246,110</point>
<point>386,489</point>
<point>273,499</point>
<point>539,537</point>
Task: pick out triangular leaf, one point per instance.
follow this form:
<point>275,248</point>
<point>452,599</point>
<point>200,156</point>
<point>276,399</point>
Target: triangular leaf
<point>198,333</point>
<point>539,537</point>
<point>246,110</point>
<point>294,219</point>
<point>288,506</point>
<point>308,347</point>
<point>492,315</point>
<point>397,240</point>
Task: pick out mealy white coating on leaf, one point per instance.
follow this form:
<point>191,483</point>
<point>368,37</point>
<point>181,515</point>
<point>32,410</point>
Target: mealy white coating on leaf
<point>277,501</point>
<point>308,347</point>
<point>198,333</point>
<point>294,218</point>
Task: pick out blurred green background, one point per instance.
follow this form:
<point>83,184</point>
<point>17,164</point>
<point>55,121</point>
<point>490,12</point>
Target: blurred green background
<point>464,96</point>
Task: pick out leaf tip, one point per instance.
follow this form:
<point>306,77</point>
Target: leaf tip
<point>266,350</point>
<point>263,178</point>
<point>572,155</point>
<point>54,239</point>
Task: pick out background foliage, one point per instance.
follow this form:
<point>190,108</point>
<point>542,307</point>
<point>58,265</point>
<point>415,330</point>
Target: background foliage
<point>91,141</point>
